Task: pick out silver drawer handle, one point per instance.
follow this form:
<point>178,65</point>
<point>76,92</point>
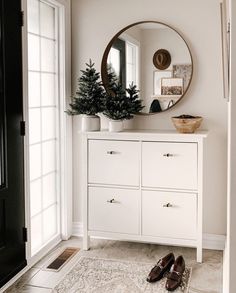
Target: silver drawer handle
<point>110,152</point>
<point>168,155</point>
<point>168,205</point>
<point>111,200</point>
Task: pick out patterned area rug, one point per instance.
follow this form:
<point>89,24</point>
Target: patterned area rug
<point>93,275</point>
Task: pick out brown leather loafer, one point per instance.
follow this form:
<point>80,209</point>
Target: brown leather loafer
<point>174,278</point>
<point>163,265</point>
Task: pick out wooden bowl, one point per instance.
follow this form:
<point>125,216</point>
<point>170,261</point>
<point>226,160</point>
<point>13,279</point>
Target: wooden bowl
<point>186,125</point>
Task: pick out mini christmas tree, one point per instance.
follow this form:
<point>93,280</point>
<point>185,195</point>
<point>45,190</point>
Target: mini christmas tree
<point>118,106</point>
<point>135,102</point>
<point>113,79</point>
<point>90,94</point>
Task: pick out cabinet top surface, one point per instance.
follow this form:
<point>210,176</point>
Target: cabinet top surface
<point>147,134</point>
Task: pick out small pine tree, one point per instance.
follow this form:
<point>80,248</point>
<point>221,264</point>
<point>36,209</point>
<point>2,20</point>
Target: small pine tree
<point>90,94</point>
<point>135,102</point>
<point>113,80</point>
<point>118,106</point>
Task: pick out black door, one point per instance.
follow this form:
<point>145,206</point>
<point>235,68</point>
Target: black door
<point>12,210</point>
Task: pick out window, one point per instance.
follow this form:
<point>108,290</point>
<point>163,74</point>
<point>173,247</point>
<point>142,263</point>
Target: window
<point>131,64</point>
<point>44,122</point>
<point>123,61</point>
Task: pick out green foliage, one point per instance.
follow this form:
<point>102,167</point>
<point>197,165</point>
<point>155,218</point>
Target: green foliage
<point>113,80</point>
<point>119,106</point>
<point>89,98</point>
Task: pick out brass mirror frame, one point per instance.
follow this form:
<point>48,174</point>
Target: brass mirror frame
<point>107,50</point>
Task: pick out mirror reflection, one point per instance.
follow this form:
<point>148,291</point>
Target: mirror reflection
<point>155,58</point>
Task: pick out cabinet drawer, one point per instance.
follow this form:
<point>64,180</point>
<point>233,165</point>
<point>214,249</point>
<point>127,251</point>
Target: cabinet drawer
<point>121,215</point>
<point>114,162</point>
<point>169,165</point>
<point>179,220</point>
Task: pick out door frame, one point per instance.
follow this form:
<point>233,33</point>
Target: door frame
<point>65,126</point>
<point>229,284</point>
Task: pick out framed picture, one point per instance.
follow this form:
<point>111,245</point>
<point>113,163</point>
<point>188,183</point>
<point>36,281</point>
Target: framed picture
<point>172,86</point>
<point>157,77</point>
<point>183,71</point>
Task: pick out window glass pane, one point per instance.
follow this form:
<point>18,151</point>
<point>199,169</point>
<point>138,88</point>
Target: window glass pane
<point>134,75</point>
<point>36,233</point>
<point>35,161</point>
<point>43,60</point>
<point>114,60</point>
<point>47,25</point>
<point>49,156</point>
<point>50,222</point>
<point>49,190</point>
<point>48,123</point>
<point>47,55</point>
<point>35,197</point>
<point>33,52</point>
<point>34,89</point>
<point>35,126</point>
<point>33,16</point>
<point>48,89</point>
<point>129,54</point>
<point>129,73</point>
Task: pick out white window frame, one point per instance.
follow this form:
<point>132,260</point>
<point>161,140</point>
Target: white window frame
<point>128,39</point>
<point>65,127</point>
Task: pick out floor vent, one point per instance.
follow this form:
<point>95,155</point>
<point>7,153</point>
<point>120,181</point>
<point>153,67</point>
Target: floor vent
<point>62,259</point>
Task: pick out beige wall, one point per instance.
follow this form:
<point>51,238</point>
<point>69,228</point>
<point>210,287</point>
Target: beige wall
<point>94,22</point>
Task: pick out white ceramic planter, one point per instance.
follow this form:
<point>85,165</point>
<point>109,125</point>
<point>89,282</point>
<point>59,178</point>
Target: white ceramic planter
<point>90,123</point>
<point>115,125</point>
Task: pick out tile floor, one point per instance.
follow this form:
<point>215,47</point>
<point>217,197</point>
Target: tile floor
<point>206,277</point>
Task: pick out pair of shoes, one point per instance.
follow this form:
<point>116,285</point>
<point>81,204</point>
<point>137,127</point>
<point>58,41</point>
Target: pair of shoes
<point>176,269</point>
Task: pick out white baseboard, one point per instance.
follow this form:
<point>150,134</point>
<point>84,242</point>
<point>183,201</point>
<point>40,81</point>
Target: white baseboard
<point>214,241</point>
<point>210,241</point>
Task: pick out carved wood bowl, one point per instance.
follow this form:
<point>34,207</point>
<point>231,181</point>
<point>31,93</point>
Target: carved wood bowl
<point>187,123</point>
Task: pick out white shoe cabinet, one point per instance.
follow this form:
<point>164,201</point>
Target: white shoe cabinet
<point>144,186</point>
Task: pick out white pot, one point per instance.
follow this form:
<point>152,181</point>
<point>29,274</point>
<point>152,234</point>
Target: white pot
<point>90,123</point>
<point>115,125</point>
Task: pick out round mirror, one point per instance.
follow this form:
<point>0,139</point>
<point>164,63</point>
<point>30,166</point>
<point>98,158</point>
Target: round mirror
<point>154,57</point>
